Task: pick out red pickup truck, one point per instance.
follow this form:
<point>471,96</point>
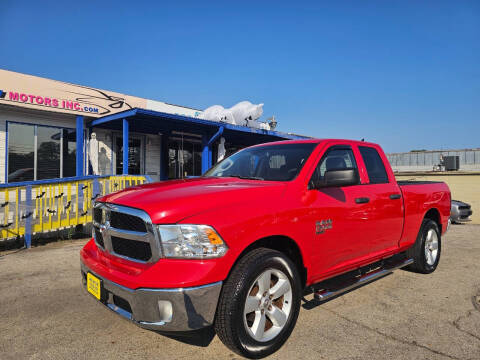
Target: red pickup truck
<point>242,245</point>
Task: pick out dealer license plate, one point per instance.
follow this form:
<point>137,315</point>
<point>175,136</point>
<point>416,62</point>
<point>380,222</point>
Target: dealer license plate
<point>94,286</point>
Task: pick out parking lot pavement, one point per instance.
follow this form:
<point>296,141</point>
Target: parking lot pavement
<point>45,314</point>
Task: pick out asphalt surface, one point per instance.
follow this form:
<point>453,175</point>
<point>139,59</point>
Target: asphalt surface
<point>45,314</point>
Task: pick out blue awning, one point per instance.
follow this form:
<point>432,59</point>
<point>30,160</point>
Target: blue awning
<point>154,122</point>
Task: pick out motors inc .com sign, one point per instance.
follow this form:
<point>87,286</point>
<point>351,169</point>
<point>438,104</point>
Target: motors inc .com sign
<point>40,93</point>
<point>48,101</point>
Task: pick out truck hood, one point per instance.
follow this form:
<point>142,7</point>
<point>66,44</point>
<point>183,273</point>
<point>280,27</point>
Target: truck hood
<point>169,202</point>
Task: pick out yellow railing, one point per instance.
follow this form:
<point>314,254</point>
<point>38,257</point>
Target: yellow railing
<point>44,207</point>
<point>10,207</point>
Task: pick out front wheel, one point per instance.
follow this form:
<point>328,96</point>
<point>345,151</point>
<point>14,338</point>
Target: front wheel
<point>259,304</point>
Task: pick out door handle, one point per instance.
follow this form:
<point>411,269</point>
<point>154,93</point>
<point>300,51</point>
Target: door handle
<point>395,196</point>
<point>362,200</point>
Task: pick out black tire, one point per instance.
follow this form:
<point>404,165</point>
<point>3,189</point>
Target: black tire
<point>230,324</point>
<point>418,253</point>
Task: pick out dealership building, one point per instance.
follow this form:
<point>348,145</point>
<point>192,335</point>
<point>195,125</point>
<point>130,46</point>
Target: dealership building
<point>51,130</point>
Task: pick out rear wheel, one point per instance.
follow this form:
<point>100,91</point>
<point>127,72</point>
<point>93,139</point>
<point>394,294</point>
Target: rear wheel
<point>259,304</point>
<point>427,248</point>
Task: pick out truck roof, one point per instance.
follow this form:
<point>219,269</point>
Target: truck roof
<point>317,141</point>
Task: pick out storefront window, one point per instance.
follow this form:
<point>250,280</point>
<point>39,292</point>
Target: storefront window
<point>48,152</point>
<point>55,146</point>
<point>69,152</point>
<point>21,152</point>
<point>104,163</point>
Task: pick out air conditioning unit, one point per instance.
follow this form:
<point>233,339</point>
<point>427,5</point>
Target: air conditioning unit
<point>451,163</point>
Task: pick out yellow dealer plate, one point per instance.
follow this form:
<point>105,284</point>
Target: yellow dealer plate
<point>94,286</point>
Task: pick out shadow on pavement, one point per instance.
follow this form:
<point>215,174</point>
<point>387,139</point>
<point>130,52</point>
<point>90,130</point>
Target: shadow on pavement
<point>202,337</point>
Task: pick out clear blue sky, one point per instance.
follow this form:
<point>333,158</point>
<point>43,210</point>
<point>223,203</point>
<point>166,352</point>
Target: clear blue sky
<point>405,74</point>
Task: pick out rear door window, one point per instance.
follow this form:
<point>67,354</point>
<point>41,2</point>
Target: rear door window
<point>374,164</point>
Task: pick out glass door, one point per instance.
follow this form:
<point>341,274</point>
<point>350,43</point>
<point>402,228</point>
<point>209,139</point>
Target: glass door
<point>135,156</point>
<point>184,158</point>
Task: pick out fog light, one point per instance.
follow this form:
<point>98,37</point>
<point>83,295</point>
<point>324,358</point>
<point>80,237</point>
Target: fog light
<point>165,309</point>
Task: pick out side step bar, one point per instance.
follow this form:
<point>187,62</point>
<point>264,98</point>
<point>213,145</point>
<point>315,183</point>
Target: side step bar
<point>385,268</point>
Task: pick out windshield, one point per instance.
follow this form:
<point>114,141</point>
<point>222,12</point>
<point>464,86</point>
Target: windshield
<point>270,162</point>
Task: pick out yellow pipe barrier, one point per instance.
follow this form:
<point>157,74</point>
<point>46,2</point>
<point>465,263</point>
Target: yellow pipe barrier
<point>16,210</point>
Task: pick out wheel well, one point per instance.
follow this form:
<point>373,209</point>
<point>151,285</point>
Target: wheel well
<point>285,245</point>
<point>434,214</point>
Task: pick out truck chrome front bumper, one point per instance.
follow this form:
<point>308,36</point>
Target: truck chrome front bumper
<point>180,309</point>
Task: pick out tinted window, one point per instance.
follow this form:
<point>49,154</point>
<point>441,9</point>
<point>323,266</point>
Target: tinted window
<point>69,152</point>
<point>48,152</point>
<point>21,150</point>
<point>271,162</point>
<point>374,164</point>
<point>335,159</point>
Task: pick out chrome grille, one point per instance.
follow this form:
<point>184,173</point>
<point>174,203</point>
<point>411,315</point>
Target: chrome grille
<point>125,232</point>
<point>124,221</point>
<point>97,215</point>
<point>99,238</point>
<point>131,248</point>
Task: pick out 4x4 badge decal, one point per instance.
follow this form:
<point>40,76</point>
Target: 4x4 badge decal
<point>321,226</point>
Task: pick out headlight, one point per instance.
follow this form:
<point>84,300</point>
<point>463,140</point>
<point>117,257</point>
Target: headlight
<point>191,242</point>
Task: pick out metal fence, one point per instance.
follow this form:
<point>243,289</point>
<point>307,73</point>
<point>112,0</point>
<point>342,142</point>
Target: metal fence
<point>38,207</point>
<point>427,160</point>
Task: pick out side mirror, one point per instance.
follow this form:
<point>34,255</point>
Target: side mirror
<point>338,178</point>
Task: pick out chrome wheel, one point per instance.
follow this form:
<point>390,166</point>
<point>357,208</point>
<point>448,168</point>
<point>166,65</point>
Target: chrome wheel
<point>431,247</point>
<point>268,305</point>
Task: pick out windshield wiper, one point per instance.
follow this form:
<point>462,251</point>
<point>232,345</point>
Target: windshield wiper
<point>246,177</point>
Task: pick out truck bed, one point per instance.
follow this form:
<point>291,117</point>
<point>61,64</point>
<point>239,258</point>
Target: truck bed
<point>418,198</point>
